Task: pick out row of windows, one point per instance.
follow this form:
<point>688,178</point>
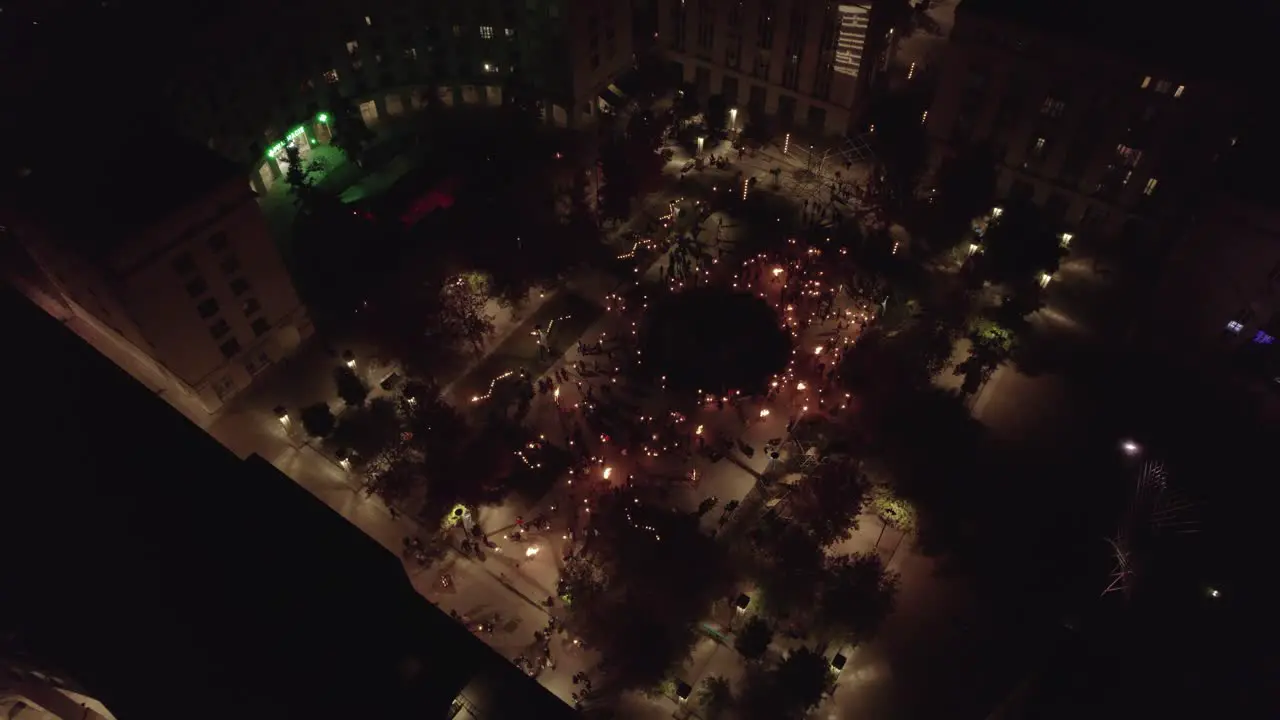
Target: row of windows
<point>208,307</point>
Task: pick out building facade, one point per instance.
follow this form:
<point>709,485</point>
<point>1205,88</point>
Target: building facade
<point>195,295</point>
<point>1218,296</point>
<point>247,78</point>
<point>806,63</point>
<point>1108,143</point>
<point>391,58</point>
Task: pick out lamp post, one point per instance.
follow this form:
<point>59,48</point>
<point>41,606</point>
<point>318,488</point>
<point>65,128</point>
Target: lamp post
<point>733,119</point>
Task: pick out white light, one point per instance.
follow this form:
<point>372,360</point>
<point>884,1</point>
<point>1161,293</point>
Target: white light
<point>607,472</point>
<point>1130,447</point>
<point>531,550</point>
<point>351,363</point>
<point>764,412</point>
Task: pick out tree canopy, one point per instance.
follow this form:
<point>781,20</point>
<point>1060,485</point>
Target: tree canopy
<point>645,576</point>
<point>713,340</point>
<point>826,503</point>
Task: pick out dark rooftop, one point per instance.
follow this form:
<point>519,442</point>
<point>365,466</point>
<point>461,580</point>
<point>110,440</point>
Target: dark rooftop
<point>98,193</point>
<point>173,580</point>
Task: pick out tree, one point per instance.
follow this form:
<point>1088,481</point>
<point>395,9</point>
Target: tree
<point>717,114</point>
<point>350,133</point>
<point>631,166</point>
<point>752,641</point>
<point>790,690</point>
<point>827,502</point>
<point>318,420</point>
<point>716,697</point>
<point>712,340</point>
<point>965,189</point>
<point>351,388</point>
<point>1019,246</point>
<point>462,314</point>
<point>801,679</point>
<point>395,483</point>
<point>857,595</point>
<point>989,346</point>
<point>902,146</point>
<point>296,176</point>
<point>789,571</point>
<point>368,430</point>
<point>651,565</point>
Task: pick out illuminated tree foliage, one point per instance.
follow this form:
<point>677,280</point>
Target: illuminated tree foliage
<point>827,501</point>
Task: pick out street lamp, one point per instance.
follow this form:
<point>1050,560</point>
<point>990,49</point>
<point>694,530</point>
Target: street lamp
<point>701,140</point>
<point>282,415</point>
<point>1130,448</point>
<point>733,119</point>
<point>349,358</point>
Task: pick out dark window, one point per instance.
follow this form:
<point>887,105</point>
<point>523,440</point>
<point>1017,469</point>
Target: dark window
<point>729,90</point>
<point>184,264</point>
<point>239,286</point>
<point>197,287</point>
<point>251,306</point>
<point>231,265</point>
<point>230,348</point>
<point>219,329</point>
<point>260,327</point>
<point>208,308</point>
<point>817,120</point>
<point>218,242</point>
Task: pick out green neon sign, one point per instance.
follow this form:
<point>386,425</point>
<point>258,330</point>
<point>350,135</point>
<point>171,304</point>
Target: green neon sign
<point>294,133</point>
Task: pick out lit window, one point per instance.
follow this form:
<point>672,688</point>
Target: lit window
<point>1146,82</point>
<point>411,53</point>
<point>368,21</point>
<point>1150,189</point>
<point>1181,89</point>
<point>1053,107</point>
<point>1234,326</point>
<point>1128,156</point>
<point>331,76</point>
<point>509,32</point>
<point>352,47</point>
<point>486,32</point>
<point>1263,338</point>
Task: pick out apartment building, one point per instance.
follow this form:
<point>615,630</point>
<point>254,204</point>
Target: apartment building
<point>1093,111</point>
<point>806,63</point>
<point>182,281</point>
<point>248,78</point>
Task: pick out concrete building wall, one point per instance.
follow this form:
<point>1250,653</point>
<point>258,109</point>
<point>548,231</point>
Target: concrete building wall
<point>779,58</point>
<point>1220,289</point>
<point>242,97</point>
<point>200,297</point>
<point>211,295</point>
<point>1097,139</point>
